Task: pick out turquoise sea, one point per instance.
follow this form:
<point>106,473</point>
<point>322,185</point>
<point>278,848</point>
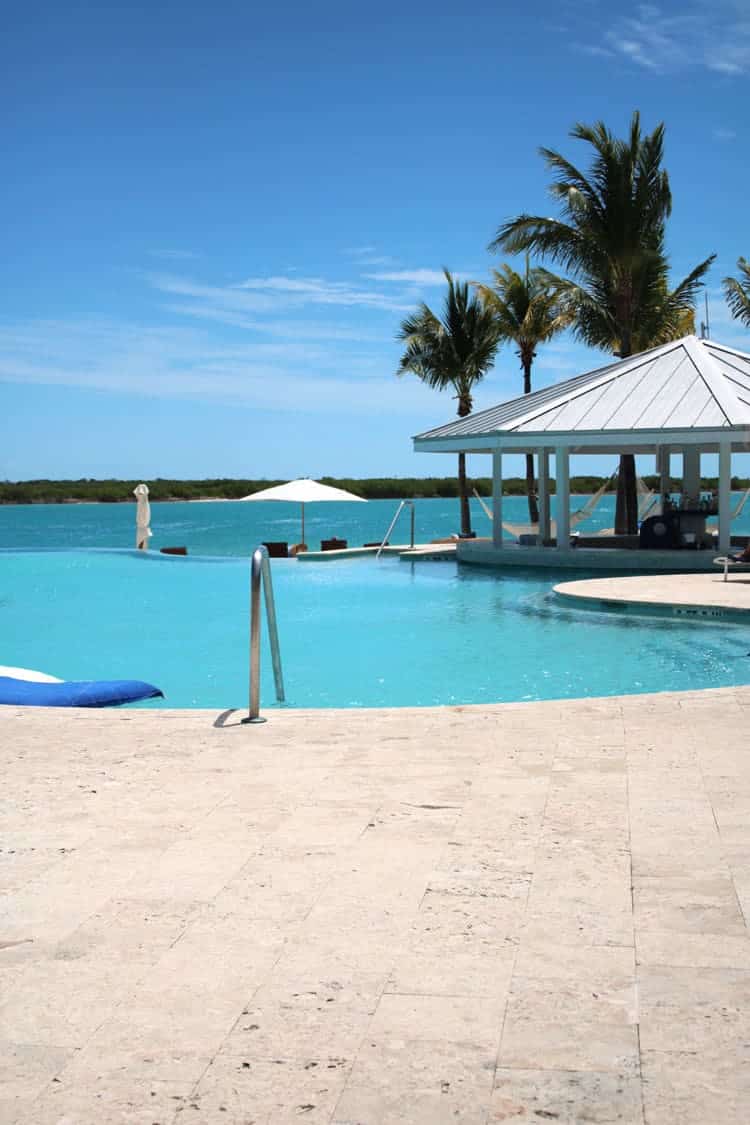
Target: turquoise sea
<point>233,528</point>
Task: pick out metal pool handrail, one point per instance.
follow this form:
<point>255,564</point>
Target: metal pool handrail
<point>399,510</point>
<point>260,568</point>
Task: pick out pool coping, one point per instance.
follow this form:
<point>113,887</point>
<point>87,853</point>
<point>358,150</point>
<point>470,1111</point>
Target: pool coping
<point>625,594</point>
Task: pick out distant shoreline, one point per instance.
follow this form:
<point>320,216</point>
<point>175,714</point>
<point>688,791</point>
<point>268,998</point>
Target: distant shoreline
<point>226,490</point>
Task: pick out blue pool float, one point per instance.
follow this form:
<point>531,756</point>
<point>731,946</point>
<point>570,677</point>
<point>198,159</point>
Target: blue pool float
<point>34,689</point>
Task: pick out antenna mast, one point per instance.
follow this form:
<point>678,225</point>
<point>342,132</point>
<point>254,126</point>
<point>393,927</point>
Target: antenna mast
<point>706,324</point>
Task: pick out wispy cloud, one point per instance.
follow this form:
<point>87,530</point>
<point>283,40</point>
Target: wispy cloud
<point>723,134</point>
<point>320,291</point>
<point>595,49</point>
<point>290,329</point>
<point>174,255</point>
<point>715,37</point>
<point>409,277</point>
<point>369,256</point>
<point>278,293</point>
<point>134,358</point>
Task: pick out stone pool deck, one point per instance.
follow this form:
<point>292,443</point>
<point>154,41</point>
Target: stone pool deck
<point>681,591</point>
<point>519,913</point>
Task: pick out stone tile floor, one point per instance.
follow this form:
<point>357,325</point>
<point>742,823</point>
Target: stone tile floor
<point>518,913</point>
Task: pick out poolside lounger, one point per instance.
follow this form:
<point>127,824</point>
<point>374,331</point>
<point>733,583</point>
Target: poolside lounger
<point>19,691</point>
<point>731,562</point>
<point>277,550</point>
<point>333,544</point>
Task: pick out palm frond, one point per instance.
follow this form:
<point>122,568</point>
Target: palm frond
<point>454,350</point>
<point>609,239</point>
<point>737,293</point>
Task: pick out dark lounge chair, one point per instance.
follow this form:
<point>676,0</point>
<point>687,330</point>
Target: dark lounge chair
<point>277,550</point>
<point>333,544</point>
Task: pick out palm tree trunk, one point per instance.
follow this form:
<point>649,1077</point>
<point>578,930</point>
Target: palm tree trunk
<point>526,362</point>
<point>626,505</point>
<point>531,489</point>
<point>463,496</point>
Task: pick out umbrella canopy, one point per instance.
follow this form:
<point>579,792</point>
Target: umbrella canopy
<point>142,517</point>
<point>305,491</point>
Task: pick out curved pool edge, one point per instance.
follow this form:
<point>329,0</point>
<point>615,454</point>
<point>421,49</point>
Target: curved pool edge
<point>230,718</point>
<point>697,596</point>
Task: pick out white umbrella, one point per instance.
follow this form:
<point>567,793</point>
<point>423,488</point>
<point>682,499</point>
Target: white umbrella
<point>142,517</point>
<point>303,492</point>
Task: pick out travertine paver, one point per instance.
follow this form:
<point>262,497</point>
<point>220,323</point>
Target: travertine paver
<point>488,914</point>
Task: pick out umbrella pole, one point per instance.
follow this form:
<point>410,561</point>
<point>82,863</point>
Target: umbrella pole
<point>303,522</point>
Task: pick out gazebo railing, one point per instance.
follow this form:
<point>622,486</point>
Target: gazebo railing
<point>260,571</point>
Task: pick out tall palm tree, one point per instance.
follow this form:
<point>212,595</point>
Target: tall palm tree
<point>528,311</point>
<point>737,293</point>
<point>453,351</point>
<point>611,240</point>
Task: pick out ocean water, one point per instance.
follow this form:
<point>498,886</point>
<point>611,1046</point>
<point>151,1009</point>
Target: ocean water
<point>233,528</point>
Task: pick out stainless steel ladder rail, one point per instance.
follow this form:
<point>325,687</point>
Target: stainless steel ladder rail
<point>260,571</point>
<point>399,510</point>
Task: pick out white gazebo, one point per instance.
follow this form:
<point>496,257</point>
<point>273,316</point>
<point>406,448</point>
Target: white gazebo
<point>688,397</point>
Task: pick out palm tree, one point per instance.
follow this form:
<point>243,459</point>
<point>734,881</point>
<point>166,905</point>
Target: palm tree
<point>456,351</point>
<point>611,240</point>
<point>737,293</point>
<point>527,311</point>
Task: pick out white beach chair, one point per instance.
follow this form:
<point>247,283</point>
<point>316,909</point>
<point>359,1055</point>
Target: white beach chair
<point>731,562</point>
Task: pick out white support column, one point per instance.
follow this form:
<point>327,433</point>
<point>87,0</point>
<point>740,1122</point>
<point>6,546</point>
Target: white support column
<point>562,476</point>
<point>691,473</point>
<point>725,497</point>
<point>497,499</point>
<point>543,495</point>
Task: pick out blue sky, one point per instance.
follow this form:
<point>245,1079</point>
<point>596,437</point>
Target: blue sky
<point>216,216</point>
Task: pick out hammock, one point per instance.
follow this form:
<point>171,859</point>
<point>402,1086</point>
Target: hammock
<point>518,529</point>
<point>647,501</point>
<point>738,507</point>
<point>741,504</point>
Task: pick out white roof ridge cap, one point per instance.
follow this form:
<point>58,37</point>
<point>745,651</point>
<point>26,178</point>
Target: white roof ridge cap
<point>717,383</point>
<point>708,344</point>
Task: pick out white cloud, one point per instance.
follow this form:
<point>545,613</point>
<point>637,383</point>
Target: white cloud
<point>319,291</point>
<point>714,37</point>
<point>722,134</point>
<point>166,363</point>
<point>594,49</point>
<point>286,329</point>
<point>174,255</point>
<point>369,256</point>
<point>412,277</point>
<point>216,296</point>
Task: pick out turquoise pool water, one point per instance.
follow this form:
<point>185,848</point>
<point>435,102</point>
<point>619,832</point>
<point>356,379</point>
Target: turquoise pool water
<point>354,633</point>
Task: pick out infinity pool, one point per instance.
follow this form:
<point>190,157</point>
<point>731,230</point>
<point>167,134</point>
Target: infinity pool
<point>353,633</point>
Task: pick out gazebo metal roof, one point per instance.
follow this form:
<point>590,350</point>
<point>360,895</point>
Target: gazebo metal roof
<point>689,390</point>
